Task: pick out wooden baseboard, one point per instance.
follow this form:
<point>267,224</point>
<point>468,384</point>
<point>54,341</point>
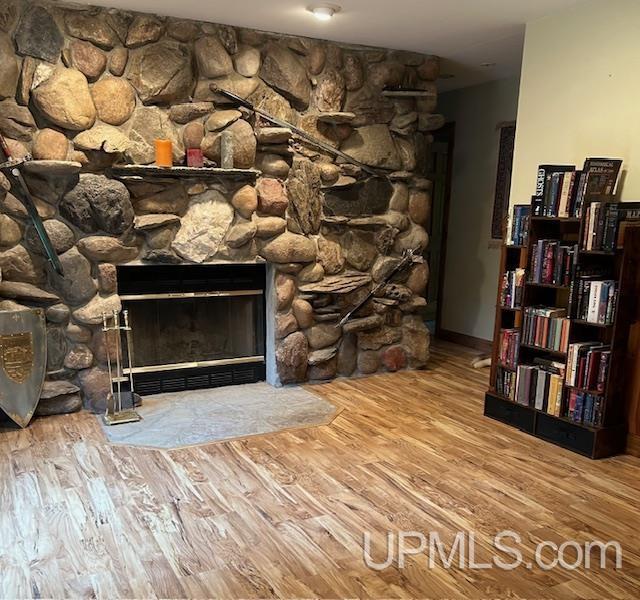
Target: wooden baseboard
<point>633,444</point>
<point>469,341</point>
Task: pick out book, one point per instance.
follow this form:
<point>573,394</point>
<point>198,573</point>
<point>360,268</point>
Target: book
<point>546,189</point>
<point>518,225</point>
<point>512,288</point>
<point>602,176</point>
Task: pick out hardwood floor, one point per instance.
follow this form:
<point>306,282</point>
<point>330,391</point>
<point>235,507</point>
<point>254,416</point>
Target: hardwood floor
<point>284,515</point>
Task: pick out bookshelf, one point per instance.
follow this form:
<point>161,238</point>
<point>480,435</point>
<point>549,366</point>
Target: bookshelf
<point>607,436</point>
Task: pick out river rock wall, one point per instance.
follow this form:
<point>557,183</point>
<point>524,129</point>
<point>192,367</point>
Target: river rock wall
<point>85,88</point>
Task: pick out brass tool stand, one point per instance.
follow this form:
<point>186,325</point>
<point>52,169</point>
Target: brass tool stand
<point>120,402</point>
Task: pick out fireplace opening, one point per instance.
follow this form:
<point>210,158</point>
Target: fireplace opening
<point>195,326</point>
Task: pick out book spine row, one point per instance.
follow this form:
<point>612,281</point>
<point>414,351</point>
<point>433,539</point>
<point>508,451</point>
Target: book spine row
<point>506,383</point>
<point>511,289</point>
<point>584,408</point>
<point>509,347</point>
<point>553,263</point>
<point>539,388</point>
<point>545,328</point>
<point>588,366</point>
<point>596,301</point>
<point>518,227</point>
<point>600,232</point>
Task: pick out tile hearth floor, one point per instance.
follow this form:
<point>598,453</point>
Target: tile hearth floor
<point>176,420</point>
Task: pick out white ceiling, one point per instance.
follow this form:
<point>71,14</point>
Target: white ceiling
<point>466,33</point>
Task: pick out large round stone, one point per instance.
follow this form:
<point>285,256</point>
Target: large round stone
<point>330,255</point>
<point>161,72</point>
<point>283,70</point>
<point>91,313</point>
<point>415,238</point>
<point>88,59</point>
<point>77,285</point>
<point>147,125</point>
<point>102,248</point>
<point>288,248</point>
<point>98,203</point>
<point>272,198</point>
<point>268,227</point>
<point>193,134</point>
<point>373,145</point>
<point>103,138</point>
<point>60,235</point>
<point>416,340</point>
<point>291,358</point>
<point>143,30</point>
<point>16,264</point>
<point>114,99</point>
<point>245,201</point>
<point>323,335</point>
<point>50,144</point>
<point>329,93</point>
<point>353,73</point>
<point>221,119</point>
<point>91,27</point>
<point>118,61</point>
<point>38,35</point>
<point>204,227</point>
<point>8,68</point>
<point>285,290</point>
<point>303,188</point>
<point>243,142</point>
<point>212,58</point>
<point>65,100</point>
<point>418,279</point>
<point>247,61</point>
<point>95,385</point>
<point>10,232</point>
<point>419,206</point>
<point>303,312</point>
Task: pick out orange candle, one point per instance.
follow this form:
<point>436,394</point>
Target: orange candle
<point>164,156</point>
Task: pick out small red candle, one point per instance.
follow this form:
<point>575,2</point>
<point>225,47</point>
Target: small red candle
<point>164,155</point>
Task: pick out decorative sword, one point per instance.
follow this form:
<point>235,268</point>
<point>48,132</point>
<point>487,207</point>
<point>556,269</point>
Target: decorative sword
<point>299,132</point>
<point>11,166</point>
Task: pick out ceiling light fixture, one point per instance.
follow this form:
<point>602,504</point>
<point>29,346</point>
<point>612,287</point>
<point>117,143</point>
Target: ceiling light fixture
<point>324,12</point>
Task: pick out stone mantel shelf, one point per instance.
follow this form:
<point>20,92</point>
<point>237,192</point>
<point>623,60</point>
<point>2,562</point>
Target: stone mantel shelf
<point>125,171</point>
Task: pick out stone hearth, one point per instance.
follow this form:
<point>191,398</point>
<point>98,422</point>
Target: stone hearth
<point>84,89</point>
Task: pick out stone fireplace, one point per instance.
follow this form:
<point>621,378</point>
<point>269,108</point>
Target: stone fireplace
<point>87,90</point>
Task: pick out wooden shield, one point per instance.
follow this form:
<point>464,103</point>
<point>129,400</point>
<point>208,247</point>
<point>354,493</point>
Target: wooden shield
<point>23,362</point>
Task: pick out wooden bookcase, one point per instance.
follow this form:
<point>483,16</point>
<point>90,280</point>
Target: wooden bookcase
<point>622,265</point>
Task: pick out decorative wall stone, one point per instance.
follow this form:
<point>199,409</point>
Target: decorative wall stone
<point>161,72</point>
<point>8,68</point>
<point>291,358</point>
<point>38,35</point>
<point>212,58</point>
<point>114,99</point>
<point>284,71</point>
<point>64,99</point>
<point>204,227</point>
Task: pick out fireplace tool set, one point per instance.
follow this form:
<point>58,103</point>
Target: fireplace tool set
<point>122,399</point>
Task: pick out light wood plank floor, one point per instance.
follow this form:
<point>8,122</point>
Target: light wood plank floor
<point>284,515</point>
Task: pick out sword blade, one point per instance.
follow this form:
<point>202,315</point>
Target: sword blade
<point>297,131</point>
<point>21,191</point>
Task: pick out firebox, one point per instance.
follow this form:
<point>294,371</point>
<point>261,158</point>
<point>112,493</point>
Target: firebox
<point>195,326</point>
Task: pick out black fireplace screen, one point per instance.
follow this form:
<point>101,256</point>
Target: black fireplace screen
<point>175,331</point>
<point>195,326</point>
